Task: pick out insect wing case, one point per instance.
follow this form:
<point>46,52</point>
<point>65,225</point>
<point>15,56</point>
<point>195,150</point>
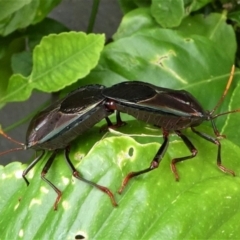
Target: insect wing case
<point>163,107</point>
<point>59,124</point>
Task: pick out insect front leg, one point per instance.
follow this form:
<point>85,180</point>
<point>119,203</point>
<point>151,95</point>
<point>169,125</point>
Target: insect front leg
<point>154,164</point>
<point>217,133</point>
<point>217,142</point>
<point>33,163</point>
<point>191,148</point>
<point>77,175</point>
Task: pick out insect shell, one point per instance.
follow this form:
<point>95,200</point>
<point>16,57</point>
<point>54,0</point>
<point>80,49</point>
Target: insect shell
<point>172,111</point>
<point>58,125</point>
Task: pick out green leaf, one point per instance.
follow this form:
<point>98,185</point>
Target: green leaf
<point>169,59</point>
<point>10,46</point>
<point>17,21</point>
<point>212,26</point>
<point>44,7</point>
<point>232,122</point>
<point>168,13</point>
<point>13,12</point>
<point>58,61</point>
<point>159,207</point>
<point>134,21</point>
<point>48,26</point>
<point>22,63</point>
<point>162,57</point>
<point>9,7</point>
<point>79,55</point>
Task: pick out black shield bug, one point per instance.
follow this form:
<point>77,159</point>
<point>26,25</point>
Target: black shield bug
<point>172,111</point>
<point>58,125</point>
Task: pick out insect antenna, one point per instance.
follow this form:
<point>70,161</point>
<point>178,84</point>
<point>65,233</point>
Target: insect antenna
<point>211,117</point>
<point>224,95</point>
<point>23,146</point>
<point>220,114</point>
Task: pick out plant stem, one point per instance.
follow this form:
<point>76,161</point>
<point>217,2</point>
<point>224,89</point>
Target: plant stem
<point>93,16</point>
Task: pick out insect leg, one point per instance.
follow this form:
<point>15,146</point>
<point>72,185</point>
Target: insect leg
<point>109,122</point>
<point>118,124</point>
<point>33,163</point>
<point>217,133</point>
<point>217,142</point>
<point>44,172</point>
<point>191,148</point>
<point>154,164</point>
<point>77,175</point>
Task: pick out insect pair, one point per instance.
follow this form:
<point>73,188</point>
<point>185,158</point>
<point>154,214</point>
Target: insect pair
<point>58,125</point>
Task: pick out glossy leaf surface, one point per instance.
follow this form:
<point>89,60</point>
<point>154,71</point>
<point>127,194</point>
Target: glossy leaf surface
<point>165,209</point>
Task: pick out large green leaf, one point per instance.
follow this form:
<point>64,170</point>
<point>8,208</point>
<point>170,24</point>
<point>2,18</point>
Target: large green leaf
<point>169,59</point>
<point>212,26</point>
<point>203,204</point>
<point>58,61</point>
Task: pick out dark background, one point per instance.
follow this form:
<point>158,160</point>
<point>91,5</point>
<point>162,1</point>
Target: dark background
<point>74,14</point>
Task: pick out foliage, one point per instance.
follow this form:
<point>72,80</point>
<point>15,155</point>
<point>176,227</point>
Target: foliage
<point>187,45</point>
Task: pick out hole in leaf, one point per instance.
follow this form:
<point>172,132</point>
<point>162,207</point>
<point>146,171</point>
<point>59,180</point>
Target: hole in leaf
<point>188,40</point>
<point>130,151</point>
<point>79,236</point>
